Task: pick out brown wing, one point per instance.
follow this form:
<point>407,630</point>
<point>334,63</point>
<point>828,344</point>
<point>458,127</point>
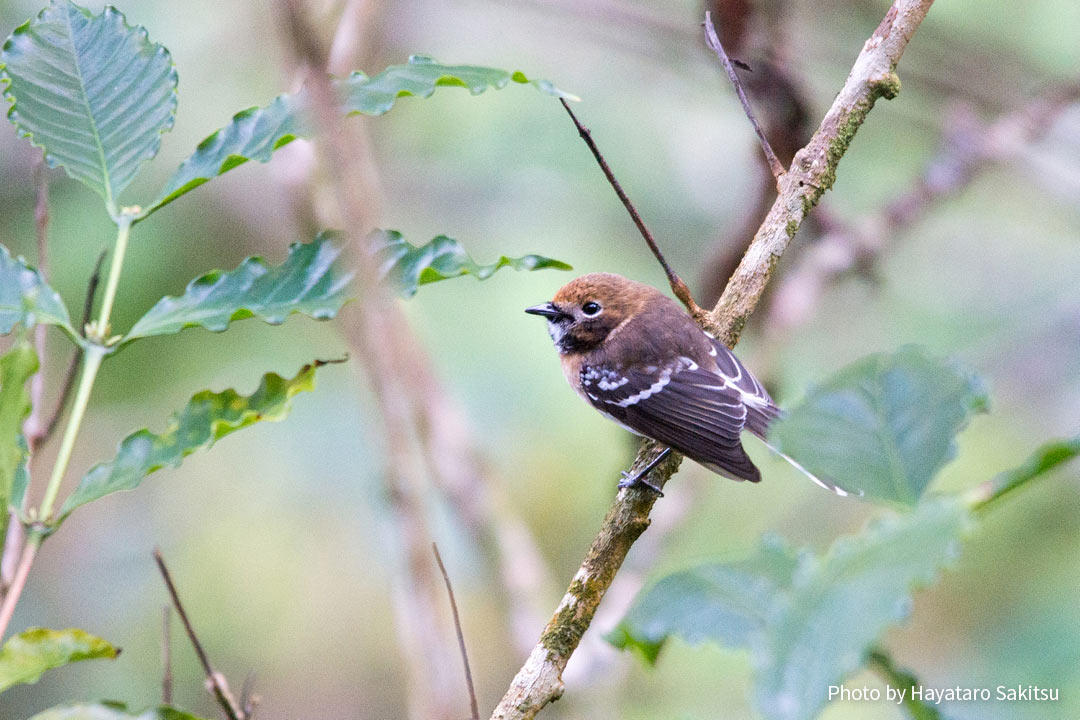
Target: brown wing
<point>695,411</point>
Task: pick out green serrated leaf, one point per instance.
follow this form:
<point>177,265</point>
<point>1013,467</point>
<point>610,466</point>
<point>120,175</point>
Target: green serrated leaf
<point>897,677</point>
<point>311,281</point>
<point>27,655</point>
<point>839,608</point>
<point>419,78</point>
<point>1045,458</point>
<point>17,365</point>
<point>22,478</point>
<point>208,417</point>
<point>92,91</point>
<point>112,711</point>
<point>406,267</point>
<point>255,133</point>
<point>883,426</point>
<point>26,299</point>
<point>732,604</point>
<point>807,622</point>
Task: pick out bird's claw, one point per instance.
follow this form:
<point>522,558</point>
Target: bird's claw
<point>638,481</point>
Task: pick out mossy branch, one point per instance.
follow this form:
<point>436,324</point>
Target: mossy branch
<point>811,174</point>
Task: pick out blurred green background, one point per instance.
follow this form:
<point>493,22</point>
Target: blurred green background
<point>278,537</point>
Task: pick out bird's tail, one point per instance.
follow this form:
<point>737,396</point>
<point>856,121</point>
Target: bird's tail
<point>825,483</point>
<point>758,423</point>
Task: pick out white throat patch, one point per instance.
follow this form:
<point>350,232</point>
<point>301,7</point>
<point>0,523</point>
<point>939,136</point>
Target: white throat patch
<point>557,331</point>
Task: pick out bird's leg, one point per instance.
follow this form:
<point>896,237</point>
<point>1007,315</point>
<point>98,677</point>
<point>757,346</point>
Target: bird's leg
<point>639,480</point>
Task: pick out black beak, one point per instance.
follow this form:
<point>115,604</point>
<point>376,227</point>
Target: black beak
<point>547,310</point>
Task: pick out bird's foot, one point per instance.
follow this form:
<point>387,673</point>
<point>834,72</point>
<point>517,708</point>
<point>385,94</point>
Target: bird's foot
<point>639,481</point>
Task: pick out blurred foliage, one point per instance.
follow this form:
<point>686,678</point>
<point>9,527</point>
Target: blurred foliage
<point>24,657</point>
<point>989,277</point>
<point>208,417</point>
<point>255,133</point>
<point>915,708</point>
<point>17,365</point>
<point>26,298</point>
<point>1042,461</point>
<point>808,622</point>
<point>111,711</point>
<point>884,426</point>
<point>406,266</point>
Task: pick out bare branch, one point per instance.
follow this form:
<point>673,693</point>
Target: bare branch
<point>18,582</point>
<point>249,700</point>
<point>375,331</point>
<point>812,173</point>
<point>813,170</point>
<point>33,427</point>
<point>460,635</point>
<point>215,681</point>
<point>166,655</point>
<point>458,469</point>
<point>758,30</point>
<point>967,148</point>
<point>677,285</point>
<point>715,45</point>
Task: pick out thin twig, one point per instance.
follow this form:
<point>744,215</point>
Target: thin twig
<point>18,582</point>
<point>33,428</point>
<point>713,41</point>
<point>215,680</point>
<point>166,655</point>
<point>677,285</point>
<point>460,635</point>
<point>73,365</point>
<point>539,681</point>
<point>784,112</point>
<point>248,699</point>
<point>458,469</point>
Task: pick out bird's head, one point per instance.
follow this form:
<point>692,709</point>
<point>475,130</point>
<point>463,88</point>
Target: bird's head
<point>585,311</point>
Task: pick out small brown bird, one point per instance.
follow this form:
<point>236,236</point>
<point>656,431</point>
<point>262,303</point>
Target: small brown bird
<point>634,355</point>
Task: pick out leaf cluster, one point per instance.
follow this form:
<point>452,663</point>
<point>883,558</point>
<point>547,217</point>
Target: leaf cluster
<point>96,95</point>
<point>882,428</point>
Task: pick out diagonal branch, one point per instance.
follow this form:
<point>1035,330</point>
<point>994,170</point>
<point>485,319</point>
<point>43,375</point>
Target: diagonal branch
<point>166,656</point>
<point>460,635</point>
<point>677,285</point>
<point>215,681</point>
<point>812,173</point>
<point>33,427</point>
<point>376,335</point>
<point>717,47</point>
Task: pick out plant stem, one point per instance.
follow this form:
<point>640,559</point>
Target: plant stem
<point>123,225</point>
<point>91,364</point>
<point>18,582</point>
<point>94,353</point>
<point>92,357</point>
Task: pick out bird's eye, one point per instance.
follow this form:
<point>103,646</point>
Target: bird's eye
<point>591,308</point>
